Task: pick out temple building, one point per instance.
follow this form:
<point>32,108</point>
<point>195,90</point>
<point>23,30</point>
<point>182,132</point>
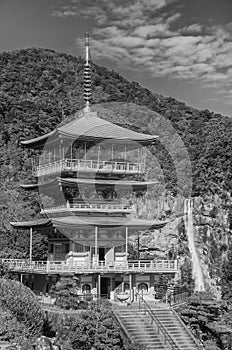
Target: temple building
<point>90,175</point>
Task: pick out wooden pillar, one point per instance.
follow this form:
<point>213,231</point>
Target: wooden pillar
<point>95,252</point>
<point>98,156</point>
<point>99,287</point>
<point>85,153</point>
<point>126,242</point>
<point>145,158</point>
<point>71,152</point>
<point>60,152</point>
<point>125,153</point>
<point>138,246</point>
<point>131,287</point>
<point>30,252</point>
<point>112,152</point>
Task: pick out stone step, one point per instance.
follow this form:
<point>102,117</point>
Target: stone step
<point>140,328</point>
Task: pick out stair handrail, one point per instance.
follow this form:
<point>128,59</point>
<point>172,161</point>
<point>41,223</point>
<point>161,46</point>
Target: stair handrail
<point>160,327</point>
<point>198,344</point>
<point>173,294</point>
<point>124,330</point>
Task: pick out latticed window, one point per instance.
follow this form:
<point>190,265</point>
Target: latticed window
<point>126,287</point>
<point>143,287</point>
<point>86,288</point>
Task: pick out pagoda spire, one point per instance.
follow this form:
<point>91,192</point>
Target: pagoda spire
<point>87,75</point>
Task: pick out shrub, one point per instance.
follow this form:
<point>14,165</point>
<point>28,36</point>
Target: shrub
<point>70,302</point>
<point>66,293</point>
<point>22,304</point>
<point>93,329</point>
<point>10,328</point>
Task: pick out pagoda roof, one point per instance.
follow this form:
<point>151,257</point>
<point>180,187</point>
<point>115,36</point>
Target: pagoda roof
<point>107,182</point>
<point>75,221</point>
<point>91,181</point>
<point>88,126</point>
<point>32,223</point>
<point>38,140</point>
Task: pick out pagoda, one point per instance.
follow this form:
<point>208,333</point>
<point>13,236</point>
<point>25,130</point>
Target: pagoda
<point>90,172</point>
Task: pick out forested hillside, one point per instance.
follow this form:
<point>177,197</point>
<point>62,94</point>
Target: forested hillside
<point>39,88</point>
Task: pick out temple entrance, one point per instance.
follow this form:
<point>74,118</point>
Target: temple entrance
<point>58,252</point>
<point>102,252</point>
<point>105,287</point>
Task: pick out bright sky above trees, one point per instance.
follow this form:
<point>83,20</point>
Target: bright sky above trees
<point>179,48</point>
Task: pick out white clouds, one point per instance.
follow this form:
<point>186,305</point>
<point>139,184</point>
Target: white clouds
<point>192,29</point>
<point>109,32</point>
<point>181,43</point>
<point>157,30</point>
<point>127,41</point>
<point>64,13</point>
<point>148,35</point>
<point>152,42</point>
<point>173,18</point>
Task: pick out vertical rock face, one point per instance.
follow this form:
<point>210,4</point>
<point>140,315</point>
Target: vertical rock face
<point>200,251</point>
<point>198,236</point>
<point>212,229</point>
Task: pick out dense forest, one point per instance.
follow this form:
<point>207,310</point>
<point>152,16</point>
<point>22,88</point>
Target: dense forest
<point>39,88</point>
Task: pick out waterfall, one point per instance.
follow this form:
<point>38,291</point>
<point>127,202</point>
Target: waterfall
<point>197,271</point>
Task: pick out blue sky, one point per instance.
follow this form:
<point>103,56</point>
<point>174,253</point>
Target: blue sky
<point>178,48</point>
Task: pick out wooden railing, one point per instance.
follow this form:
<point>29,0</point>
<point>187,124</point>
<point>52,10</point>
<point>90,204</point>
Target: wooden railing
<point>97,207</point>
<point>167,339</point>
<point>50,300</point>
<point>166,266</point>
<point>88,165</point>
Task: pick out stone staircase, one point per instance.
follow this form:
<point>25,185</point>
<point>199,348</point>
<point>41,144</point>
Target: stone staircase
<point>175,328</point>
<point>141,328</point>
<point>138,328</point>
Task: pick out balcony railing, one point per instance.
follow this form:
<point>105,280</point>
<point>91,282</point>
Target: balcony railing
<point>164,266</point>
<point>88,166</point>
<point>87,207</point>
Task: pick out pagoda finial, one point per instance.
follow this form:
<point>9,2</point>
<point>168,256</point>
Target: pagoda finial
<point>87,75</point>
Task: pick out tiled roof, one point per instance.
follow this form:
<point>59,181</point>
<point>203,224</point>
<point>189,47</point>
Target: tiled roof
<point>75,221</point>
<point>88,125</point>
<point>34,223</point>
<point>100,221</point>
<point>92,181</point>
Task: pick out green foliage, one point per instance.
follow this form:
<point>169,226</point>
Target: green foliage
<point>20,302</point>
<point>6,273</point>
<point>93,329</point>
<point>66,292</point>
<point>10,328</point>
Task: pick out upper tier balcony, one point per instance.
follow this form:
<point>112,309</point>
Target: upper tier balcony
<point>80,165</point>
<point>90,207</point>
<point>54,267</point>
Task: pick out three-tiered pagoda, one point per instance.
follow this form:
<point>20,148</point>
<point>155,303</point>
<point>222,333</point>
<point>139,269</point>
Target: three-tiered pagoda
<point>90,173</point>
